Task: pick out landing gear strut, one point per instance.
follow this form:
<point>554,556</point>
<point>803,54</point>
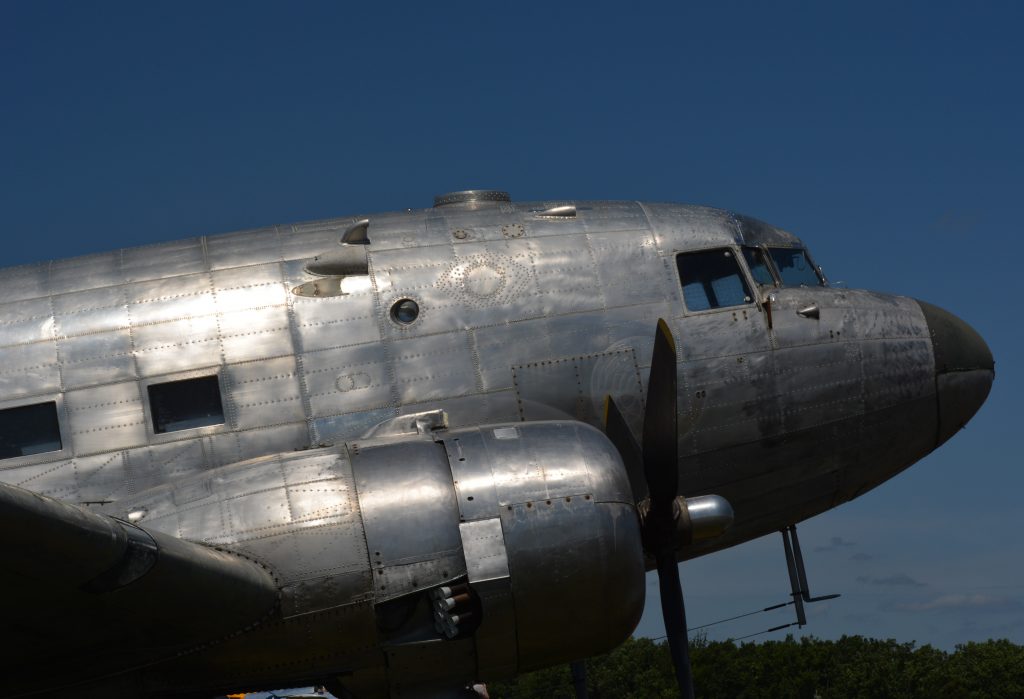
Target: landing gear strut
<point>798,575</point>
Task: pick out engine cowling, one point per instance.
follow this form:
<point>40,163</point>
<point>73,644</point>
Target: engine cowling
<point>547,534</point>
<point>370,539</point>
<point>558,496</point>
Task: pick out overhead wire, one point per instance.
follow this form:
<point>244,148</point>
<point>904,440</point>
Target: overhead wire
<point>741,616</point>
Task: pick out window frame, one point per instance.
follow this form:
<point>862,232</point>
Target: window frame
<point>769,264</point>
<point>64,452</point>
<point>190,432</point>
<point>741,262</point>
<point>822,280</point>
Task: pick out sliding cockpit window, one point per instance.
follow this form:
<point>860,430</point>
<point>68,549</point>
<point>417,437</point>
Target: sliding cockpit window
<point>759,269</point>
<point>712,279</point>
<point>29,429</point>
<point>186,404</point>
<point>795,267</point>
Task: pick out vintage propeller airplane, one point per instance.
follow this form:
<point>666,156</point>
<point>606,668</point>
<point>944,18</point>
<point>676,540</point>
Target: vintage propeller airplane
<point>402,453</point>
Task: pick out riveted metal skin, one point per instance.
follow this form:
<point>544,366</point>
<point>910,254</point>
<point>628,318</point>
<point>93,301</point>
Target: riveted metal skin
<point>86,583</point>
<point>537,517</point>
<point>410,516</point>
<point>299,515</point>
<point>550,521</point>
<point>522,317</point>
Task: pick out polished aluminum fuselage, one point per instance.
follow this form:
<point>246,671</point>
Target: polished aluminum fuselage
<point>524,316</point>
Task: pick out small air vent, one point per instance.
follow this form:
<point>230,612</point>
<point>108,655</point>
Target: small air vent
<point>472,196</point>
<point>560,212</point>
<point>346,260</point>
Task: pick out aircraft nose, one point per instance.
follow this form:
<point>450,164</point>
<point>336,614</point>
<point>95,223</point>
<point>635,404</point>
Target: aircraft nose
<point>964,368</point>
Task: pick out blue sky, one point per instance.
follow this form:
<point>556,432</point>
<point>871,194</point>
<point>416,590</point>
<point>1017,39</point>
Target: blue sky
<point>887,135</point>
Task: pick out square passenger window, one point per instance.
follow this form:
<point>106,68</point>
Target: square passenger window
<point>186,404</point>
<point>711,279</point>
<point>29,429</point>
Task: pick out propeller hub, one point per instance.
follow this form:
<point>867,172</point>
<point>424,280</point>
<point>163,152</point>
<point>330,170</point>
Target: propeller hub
<point>683,521</point>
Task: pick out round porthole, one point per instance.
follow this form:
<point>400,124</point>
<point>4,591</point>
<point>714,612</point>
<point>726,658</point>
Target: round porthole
<point>405,311</point>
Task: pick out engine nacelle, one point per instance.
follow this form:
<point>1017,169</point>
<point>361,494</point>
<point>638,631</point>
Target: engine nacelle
<point>417,557</point>
<point>558,497</point>
<point>546,531</point>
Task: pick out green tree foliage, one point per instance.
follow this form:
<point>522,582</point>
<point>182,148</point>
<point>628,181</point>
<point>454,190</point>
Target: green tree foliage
<point>853,666</point>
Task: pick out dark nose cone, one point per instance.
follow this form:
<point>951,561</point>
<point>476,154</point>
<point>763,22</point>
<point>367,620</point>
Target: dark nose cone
<point>964,369</point>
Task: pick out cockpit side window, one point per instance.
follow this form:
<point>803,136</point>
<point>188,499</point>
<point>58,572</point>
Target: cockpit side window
<point>795,267</point>
<point>711,279</point>
<point>759,269</point>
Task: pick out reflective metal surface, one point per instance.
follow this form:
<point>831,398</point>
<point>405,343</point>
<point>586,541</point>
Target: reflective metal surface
<point>559,496</point>
<point>525,312</point>
<point>410,517</point>
<point>709,516</point>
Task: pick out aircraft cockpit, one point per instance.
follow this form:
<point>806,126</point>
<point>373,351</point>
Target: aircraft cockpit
<point>713,278</point>
<point>777,266</point>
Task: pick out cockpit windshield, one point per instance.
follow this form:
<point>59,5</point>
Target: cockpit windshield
<point>758,266</point>
<point>795,267</point>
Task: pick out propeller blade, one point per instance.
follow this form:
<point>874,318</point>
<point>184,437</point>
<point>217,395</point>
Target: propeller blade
<point>660,466</point>
<point>660,445</point>
<point>621,436</point>
<point>674,613</point>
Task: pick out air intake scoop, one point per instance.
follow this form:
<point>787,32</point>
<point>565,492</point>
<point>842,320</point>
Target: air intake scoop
<point>474,197</point>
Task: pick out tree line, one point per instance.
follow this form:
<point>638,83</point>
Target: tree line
<point>852,666</point>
